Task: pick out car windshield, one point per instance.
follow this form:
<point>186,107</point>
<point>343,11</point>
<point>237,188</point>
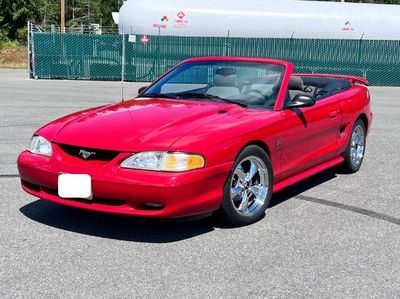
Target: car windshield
<point>237,82</point>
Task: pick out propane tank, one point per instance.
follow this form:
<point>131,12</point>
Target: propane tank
<point>261,18</point>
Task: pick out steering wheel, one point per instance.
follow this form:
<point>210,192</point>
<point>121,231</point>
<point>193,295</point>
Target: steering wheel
<point>308,88</point>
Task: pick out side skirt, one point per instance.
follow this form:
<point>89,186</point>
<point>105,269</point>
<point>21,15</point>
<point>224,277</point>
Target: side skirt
<point>305,174</point>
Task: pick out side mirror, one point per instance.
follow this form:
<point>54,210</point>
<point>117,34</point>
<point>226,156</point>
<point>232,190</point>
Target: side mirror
<point>300,101</point>
<point>141,89</point>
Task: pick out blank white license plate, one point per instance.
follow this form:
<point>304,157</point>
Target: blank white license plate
<point>75,186</point>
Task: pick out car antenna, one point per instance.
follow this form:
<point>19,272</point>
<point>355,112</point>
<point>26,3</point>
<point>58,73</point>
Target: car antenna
<point>122,58</point>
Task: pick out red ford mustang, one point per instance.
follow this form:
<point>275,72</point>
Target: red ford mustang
<point>212,134</point>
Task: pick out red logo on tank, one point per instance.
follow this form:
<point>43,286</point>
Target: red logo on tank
<point>180,15</point>
<point>144,39</point>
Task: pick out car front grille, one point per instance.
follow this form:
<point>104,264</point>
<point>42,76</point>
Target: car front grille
<point>88,154</point>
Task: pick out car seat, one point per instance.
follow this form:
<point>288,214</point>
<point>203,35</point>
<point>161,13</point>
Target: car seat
<point>225,83</point>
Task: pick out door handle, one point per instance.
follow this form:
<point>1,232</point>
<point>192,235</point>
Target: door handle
<point>333,114</point>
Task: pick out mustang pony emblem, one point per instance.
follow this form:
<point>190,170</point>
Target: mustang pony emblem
<point>86,154</point>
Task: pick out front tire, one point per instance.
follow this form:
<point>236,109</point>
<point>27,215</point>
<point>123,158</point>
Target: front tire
<point>354,154</point>
<point>248,190</point>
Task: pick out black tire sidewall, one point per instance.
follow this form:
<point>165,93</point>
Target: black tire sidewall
<point>229,211</point>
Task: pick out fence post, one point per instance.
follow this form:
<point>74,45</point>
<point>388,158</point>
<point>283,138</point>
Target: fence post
<point>359,48</point>
<point>123,66</point>
<point>29,51</point>
<point>364,73</point>
<point>158,57</point>
<point>33,54</point>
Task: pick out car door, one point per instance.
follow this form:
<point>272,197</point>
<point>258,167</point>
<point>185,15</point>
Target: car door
<point>310,135</point>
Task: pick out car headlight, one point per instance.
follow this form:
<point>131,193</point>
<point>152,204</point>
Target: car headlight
<point>164,161</point>
<point>40,146</point>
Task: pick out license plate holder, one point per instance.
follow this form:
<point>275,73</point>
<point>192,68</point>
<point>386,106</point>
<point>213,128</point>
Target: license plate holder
<point>75,186</point>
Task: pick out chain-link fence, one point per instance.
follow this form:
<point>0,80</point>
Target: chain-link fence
<point>100,56</point>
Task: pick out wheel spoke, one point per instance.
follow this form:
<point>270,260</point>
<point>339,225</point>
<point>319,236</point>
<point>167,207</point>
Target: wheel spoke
<point>252,172</point>
<point>258,201</point>
<point>240,173</point>
<point>256,190</point>
<point>353,153</point>
<point>245,202</point>
<point>235,192</point>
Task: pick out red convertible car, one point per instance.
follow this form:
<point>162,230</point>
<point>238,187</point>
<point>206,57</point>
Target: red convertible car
<point>212,134</point>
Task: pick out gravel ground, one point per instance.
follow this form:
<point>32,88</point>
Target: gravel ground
<point>331,236</point>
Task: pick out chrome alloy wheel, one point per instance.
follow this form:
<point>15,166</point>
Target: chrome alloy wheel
<point>249,185</point>
<point>357,145</point>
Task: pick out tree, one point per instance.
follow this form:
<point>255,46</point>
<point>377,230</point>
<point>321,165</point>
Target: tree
<point>15,14</point>
<point>49,12</point>
<point>84,12</point>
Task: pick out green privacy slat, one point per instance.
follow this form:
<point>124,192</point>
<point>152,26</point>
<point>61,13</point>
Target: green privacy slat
<point>99,57</point>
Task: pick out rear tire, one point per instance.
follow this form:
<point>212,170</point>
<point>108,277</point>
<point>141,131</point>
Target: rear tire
<point>354,154</point>
<point>248,189</point>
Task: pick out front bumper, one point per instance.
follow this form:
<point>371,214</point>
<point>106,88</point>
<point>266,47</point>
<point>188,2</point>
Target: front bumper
<point>125,191</point>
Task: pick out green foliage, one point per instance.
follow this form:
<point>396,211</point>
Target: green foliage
<point>22,35</point>
<point>84,12</point>
<point>16,13</point>
<point>8,44</point>
<point>14,16</point>
<point>48,12</point>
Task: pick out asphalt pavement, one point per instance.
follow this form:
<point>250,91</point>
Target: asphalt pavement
<point>331,236</point>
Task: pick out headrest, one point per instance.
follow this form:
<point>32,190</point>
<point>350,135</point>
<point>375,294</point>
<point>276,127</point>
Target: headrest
<point>296,83</point>
<point>226,71</point>
<point>225,77</point>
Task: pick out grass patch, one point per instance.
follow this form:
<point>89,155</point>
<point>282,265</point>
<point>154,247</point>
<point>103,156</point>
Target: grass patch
<point>13,56</point>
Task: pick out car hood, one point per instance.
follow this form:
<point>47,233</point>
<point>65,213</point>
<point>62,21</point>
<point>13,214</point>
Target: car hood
<point>136,125</point>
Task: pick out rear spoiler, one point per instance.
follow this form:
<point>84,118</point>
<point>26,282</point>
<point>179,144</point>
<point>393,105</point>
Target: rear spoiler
<point>352,79</point>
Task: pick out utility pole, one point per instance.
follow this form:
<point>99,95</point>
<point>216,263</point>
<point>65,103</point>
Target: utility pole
<point>62,7</point>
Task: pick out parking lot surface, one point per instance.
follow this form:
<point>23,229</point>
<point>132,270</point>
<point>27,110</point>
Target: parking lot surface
<point>333,235</point>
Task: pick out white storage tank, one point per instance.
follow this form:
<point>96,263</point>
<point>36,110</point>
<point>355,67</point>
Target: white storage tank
<point>261,18</point>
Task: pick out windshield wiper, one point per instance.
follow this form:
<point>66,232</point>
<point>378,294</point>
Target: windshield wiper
<point>158,95</point>
<point>208,97</point>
